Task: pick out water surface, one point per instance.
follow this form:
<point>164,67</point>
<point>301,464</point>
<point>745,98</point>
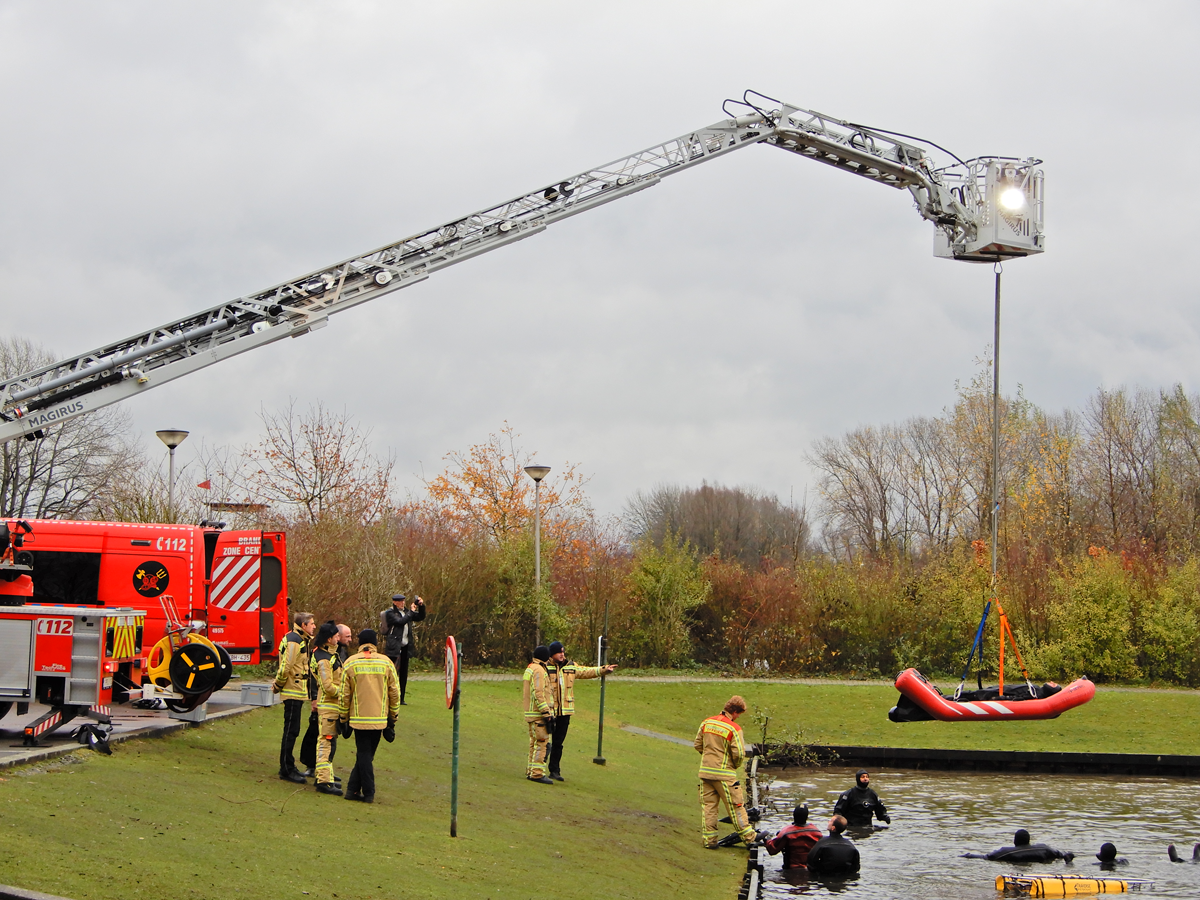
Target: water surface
<point>937,816</point>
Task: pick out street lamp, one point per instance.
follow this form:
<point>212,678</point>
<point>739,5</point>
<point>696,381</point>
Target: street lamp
<point>172,437</point>
<point>537,473</point>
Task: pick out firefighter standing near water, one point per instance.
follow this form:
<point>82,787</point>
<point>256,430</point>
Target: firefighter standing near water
<point>562,674</point>
<point>327,671</point>
<point>291,681</point>
<point>722,752</point>
<point>538,704</point>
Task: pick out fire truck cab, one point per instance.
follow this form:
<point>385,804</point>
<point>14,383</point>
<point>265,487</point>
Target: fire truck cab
<point>230,586</point>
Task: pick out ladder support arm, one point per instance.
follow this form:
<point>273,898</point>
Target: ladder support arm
<point>52,394</point>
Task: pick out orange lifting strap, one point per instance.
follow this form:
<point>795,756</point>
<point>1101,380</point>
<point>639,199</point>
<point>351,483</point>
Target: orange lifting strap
<point>1006,629</point>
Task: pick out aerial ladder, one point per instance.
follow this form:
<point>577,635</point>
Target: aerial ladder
<point>984,210</point>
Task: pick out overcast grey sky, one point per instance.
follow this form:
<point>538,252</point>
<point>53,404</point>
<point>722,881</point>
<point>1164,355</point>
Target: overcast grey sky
<point>159,158</point>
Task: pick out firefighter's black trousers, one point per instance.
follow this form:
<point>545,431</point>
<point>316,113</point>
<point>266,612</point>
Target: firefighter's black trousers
<point>561,724</point>
<point>362,777</point>
<point>293,712</point>
<point>401,663</point>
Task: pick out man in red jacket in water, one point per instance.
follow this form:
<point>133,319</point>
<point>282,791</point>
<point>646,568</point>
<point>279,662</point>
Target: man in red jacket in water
<point>795,840</point>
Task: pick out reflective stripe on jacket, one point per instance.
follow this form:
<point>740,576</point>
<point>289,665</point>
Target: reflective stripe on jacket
<point>370,692</point>
<point>537,694</point>
<point>326,668</point>
<point>292,676</point>
<point>722,751</point>
<point>562,684</point>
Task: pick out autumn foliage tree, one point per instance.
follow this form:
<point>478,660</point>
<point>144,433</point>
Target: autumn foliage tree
<point>71,472</point>
<point>315,465</point>
<point>486,492</point>
<point>313,474</point>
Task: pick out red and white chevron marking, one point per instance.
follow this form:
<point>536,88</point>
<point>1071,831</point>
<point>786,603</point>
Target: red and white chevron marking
<point>44,726</point>
<point>235,583</point>
<point>102,710</point>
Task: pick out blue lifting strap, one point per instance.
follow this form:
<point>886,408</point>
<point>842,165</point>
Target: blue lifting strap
<point>978,639</point>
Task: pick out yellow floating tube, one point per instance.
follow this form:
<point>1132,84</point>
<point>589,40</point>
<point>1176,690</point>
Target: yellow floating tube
<point>1065,885</point>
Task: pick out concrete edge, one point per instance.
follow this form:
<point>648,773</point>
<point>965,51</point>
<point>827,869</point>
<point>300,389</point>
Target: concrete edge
<point>39,754</point>
<point>7,892</point>
<point>1045,762</point>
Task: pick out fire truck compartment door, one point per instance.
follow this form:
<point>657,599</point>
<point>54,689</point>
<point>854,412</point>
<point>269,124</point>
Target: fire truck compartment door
<point>16,652</point>
<point>233,600</point>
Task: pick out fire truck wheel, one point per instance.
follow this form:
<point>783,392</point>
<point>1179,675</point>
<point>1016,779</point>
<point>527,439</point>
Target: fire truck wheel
<point>195,669</point>
<point>4,708</point>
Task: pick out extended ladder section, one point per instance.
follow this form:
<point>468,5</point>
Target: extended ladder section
<point>962,201</point>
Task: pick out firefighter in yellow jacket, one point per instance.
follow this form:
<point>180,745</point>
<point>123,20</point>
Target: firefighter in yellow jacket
<point>369,703</point>
<point>539,713</point>
<point>563,673</point>
<point>722,752</point>
<point>291,681</point>
<point>326,669</point>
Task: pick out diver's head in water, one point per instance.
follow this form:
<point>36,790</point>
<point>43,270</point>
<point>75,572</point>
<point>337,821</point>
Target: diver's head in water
<point>862,778</point>
<point>837,824</point>
<point>1021,838</point>
<point>800,814</point>
<point>1108,852</point>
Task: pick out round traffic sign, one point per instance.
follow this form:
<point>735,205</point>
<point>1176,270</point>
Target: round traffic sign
<point>451,671</point>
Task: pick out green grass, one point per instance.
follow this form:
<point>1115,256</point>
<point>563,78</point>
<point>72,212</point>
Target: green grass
<point>197,814</point>
<point>1114,722</point>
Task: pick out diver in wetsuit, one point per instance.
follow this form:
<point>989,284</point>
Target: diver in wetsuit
<point>1108,857</point>
<point>833,856</point>
<point>1175,857</point>
<point>860,803</point>
<point>1023,851</point>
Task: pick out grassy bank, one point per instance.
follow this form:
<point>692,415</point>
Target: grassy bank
<point>198,813</point>
<point>1114,722</point>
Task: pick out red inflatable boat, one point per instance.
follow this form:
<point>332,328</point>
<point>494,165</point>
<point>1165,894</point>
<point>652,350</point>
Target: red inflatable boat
<point>921,701</point>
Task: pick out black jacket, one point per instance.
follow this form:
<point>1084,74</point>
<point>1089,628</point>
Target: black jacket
<point>858,805</point>
<point>1029,853</point>
<point>833,855</point>
<point>1026,853</point>
<point>396,625</point>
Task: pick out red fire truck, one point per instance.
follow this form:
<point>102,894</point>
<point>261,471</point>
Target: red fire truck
<point>74,659</point>
<point>230,586</point>
<point>175,604</point>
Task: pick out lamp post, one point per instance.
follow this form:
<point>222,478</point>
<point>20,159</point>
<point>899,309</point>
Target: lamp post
<point>172,437</point>
<point>537,473</point>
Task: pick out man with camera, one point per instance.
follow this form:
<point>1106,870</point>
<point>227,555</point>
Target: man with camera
<point>395,623</point>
